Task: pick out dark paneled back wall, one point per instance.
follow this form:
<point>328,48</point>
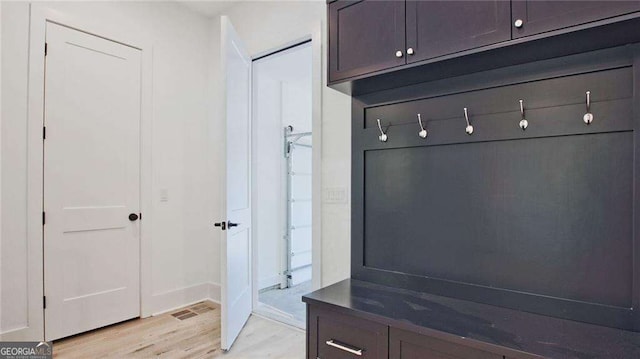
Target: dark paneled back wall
<point>550,215</point>
<point>540,220</point>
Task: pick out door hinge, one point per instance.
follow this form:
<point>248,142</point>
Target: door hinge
<point>44,302</point>
<point>43,221</point>
<point>44,132</point>
<point>45,49</point>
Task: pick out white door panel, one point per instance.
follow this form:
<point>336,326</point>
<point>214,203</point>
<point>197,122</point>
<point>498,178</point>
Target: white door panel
<point>78,219</point>
<point>236,240</point>
<point>91,182</point>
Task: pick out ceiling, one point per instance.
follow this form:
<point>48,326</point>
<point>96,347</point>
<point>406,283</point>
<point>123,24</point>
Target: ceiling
<point>209,8</point>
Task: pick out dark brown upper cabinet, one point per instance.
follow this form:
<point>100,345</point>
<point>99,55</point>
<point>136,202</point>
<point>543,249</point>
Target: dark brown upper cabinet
<point>376,45</point>
<point>436,28</point>
<point>532,17</point>
<point>365,36</point>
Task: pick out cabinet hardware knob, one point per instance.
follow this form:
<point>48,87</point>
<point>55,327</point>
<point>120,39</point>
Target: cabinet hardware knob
<point>588,117</point>
<point>518,23</point>
<point>410,51</point>
<point>398,54</point>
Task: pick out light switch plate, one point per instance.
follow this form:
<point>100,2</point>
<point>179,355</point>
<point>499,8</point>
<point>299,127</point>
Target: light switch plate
<point>336,195</point>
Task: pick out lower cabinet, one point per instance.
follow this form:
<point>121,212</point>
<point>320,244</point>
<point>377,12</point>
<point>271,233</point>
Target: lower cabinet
<point>332,335</point>
<point>409,345</point>
<point>339,335</point>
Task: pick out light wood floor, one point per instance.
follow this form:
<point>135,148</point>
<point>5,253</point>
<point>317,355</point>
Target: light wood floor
<point>195,336</point>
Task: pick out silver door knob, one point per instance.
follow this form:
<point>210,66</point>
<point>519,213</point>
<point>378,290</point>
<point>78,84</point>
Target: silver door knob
<point>518,23</point>
<point>398,53</point>
<point>410,51</point>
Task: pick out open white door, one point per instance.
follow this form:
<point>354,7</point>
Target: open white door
<point>236,237</point>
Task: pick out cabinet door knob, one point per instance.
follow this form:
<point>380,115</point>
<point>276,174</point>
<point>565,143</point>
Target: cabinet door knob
<point>410,51</point>
<point>398,53</point>
<point>518,23</point>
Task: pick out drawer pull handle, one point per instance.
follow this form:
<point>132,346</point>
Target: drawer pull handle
<point>344,347</point>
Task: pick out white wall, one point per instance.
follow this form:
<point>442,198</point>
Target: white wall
<point>13,310</point>
<point>265,26</point>
<point>184,252</point>
<point>0,171</point>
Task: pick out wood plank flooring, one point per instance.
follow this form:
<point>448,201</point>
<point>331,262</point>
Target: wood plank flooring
<point>195,336</point>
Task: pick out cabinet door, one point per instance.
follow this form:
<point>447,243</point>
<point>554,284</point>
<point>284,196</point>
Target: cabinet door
<point>535,16</point>
<point>409,345</point>
<point>365,36</point>
<point>436,28</point>
<point>332,335</point>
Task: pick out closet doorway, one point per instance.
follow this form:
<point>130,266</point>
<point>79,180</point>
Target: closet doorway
<point>282,149</point>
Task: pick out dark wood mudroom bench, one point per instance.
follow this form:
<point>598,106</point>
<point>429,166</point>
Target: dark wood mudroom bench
<point>407,324</point>
<point>495,154</point>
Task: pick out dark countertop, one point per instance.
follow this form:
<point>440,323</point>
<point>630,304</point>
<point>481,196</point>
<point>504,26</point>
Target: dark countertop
<point>531,333</point>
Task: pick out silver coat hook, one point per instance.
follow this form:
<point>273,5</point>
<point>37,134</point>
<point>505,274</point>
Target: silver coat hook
<point>423,132</point>
<point>383,136</point>
<point>469,129</point>
<point>523,122</point>
<point>588,117</point>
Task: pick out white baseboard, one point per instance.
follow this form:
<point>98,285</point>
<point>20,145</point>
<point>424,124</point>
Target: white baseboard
<point>21,335</point>
<point>161,303</point>
<point>182,297</point>
<point>214,292</point>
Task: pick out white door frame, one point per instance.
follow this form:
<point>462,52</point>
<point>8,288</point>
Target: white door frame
<point>316,176</point>
<point>39,16</point>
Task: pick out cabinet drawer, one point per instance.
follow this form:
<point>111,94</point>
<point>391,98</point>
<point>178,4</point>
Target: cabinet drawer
<point>342,336</point>
<point>409,345</point>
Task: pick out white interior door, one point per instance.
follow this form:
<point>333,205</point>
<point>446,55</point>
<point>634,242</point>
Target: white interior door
<point>91,182</point>
<point>236,239</point>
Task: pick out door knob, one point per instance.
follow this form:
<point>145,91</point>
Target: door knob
<point>231,224</point>
<point>133,217</point>
<point>518,23</point>
<point>222,225</point>
<point>410,51</point>
<point>398,54</point>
